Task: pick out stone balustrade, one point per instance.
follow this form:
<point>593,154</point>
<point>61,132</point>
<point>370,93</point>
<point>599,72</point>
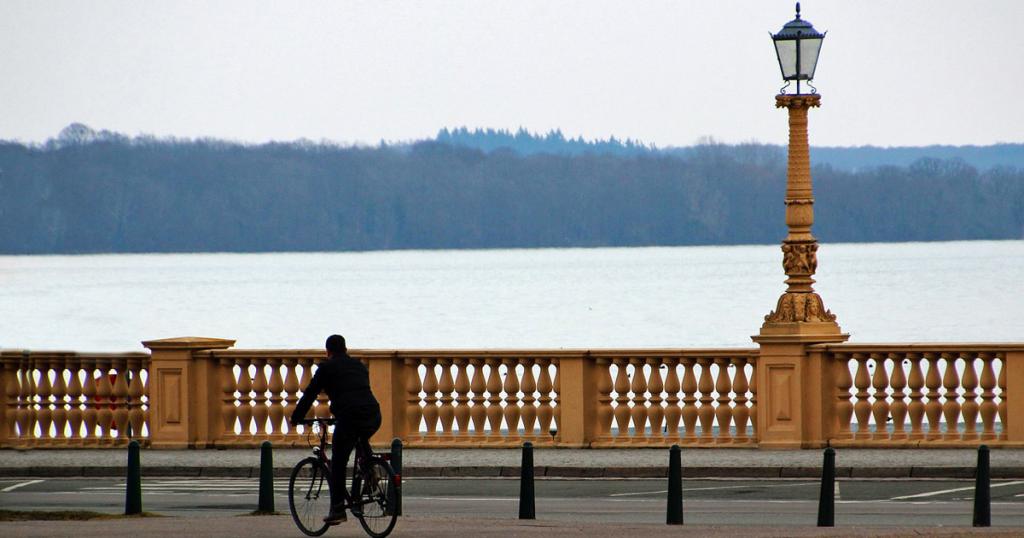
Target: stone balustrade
<point>922,394</point>
<point>661,398</point>
<point>68,399</point>
<point>197,392</point>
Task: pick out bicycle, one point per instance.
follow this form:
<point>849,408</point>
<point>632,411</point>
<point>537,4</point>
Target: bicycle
<point>375,488</point>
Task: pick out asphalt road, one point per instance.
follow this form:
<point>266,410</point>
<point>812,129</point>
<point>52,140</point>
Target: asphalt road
<point>917,503</point>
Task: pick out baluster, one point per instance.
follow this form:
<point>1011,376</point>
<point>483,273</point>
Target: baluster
<point>689,411</point>
<point>228,411</point>
<point>753,398</point>
<point>655,413</point>
<point>898,382</point>
<point>621,400</point>
<point>970,406</point>
<point>75,402</point>
<point>60,392</point>
<point>145,395</point>
<point>478,413</point>
<point>291,396</point>
<point>511,399</point>
<point>462,398</point>
<point>706,412</point>
<point>494,400</point>
<point>723,412</point>
<point>916,408</point>
<point>862,408</point>
<point>740,413</point>
<point>672,410</point>
<point>413,411</point>
<point>323,407</point>
<point>880,407</point>
<point>120,399</point>
<point>44,414</point>
<point>988,407</point>
<point>135,391</point>
<point>604,399</point>
<point>105,395</point>
<point>529,410</point>
<point>1003,430</point>
<point>557,386</point>
<point>27,410</point>
<point>446,411</point>
<point>12,398</point>
<point>844,405</point>
<point>430,398</point>
<point>260,410</point>
<point>25,414</point>
<point>638,412</point>
<point>950,405</point>
<point>244,408</point>
<point>276,410</point>
<point>933,409</point>
<point>544,387</point>
<point>91,412</point>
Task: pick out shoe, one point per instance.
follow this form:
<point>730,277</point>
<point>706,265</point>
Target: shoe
<point>336,516</point>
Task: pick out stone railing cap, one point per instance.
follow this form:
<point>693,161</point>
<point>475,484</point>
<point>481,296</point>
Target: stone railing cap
<point>189,342</point>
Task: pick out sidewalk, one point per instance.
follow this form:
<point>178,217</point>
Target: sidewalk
<point>431,527</point>
<point>549,462</point>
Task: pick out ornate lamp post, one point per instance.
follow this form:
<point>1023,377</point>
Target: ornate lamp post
<point>800,310</point>
<point>794,410</point>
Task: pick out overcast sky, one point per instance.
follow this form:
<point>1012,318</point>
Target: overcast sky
<point>908,72</point>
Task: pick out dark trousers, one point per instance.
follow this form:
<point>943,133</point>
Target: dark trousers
<point>354,427</point>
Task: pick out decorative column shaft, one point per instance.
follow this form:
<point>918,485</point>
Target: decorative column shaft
<point>799,250</point>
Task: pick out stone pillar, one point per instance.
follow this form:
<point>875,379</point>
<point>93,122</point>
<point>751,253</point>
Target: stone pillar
<point>577,400</point>
<point>184,392</point>
<point>790,380</point>
<point>387,381</point>
<point>1014,420</point>
<point>9,391</point>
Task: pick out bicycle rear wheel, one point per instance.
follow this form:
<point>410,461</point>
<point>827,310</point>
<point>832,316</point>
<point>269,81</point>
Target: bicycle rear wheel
<point>309,496</point>
<point>378,498</point>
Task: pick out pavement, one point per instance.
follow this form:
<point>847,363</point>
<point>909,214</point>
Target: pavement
<point>548,462</point>
<point>431,527</point>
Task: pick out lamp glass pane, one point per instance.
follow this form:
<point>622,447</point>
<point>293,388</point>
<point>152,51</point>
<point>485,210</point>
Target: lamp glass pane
<point>809,49</point>
<point>786,49</point>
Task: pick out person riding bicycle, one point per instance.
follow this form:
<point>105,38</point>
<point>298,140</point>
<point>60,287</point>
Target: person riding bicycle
<point>347,383</point>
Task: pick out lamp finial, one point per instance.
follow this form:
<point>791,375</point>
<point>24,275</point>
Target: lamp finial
<point>798,10</point>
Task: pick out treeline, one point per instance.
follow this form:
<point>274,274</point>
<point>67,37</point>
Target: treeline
<point>525,142</point>
<point>109,194</point>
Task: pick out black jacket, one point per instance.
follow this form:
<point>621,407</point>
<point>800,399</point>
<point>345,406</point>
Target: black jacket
<point>346,382</point>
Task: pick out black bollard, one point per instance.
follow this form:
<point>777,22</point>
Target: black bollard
<point>827,499</point>
<point>675,487</point>
<point>133,491</point>
<point>526,502</point>
<point>982,494</point>
<point>266,503</point>
<point>396,465</point>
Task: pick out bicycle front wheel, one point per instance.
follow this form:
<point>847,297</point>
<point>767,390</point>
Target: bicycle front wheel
<point>378,498</point>
<point>309,496</point>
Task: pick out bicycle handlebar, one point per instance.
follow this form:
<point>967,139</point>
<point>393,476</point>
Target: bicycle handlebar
<point>325,421</point>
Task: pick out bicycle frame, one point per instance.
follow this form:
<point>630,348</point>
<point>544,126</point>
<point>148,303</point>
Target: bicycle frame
<point>359,460</point>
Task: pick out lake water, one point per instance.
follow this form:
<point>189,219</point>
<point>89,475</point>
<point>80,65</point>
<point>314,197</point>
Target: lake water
<point>530,298</point>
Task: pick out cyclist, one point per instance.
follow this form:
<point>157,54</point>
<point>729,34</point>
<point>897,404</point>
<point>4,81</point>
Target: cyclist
<point>347,383</point>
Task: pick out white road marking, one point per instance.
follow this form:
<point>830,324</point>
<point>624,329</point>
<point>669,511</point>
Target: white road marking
<point>954,490</point>
<point>707,489</point>
<point>835,492</point>
<point>20,485</point>
<point>475,499</point>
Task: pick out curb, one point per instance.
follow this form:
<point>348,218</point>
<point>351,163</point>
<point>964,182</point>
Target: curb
<point>539,471</point>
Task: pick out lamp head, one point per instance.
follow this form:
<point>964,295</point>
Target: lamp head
<point>797,46</point>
